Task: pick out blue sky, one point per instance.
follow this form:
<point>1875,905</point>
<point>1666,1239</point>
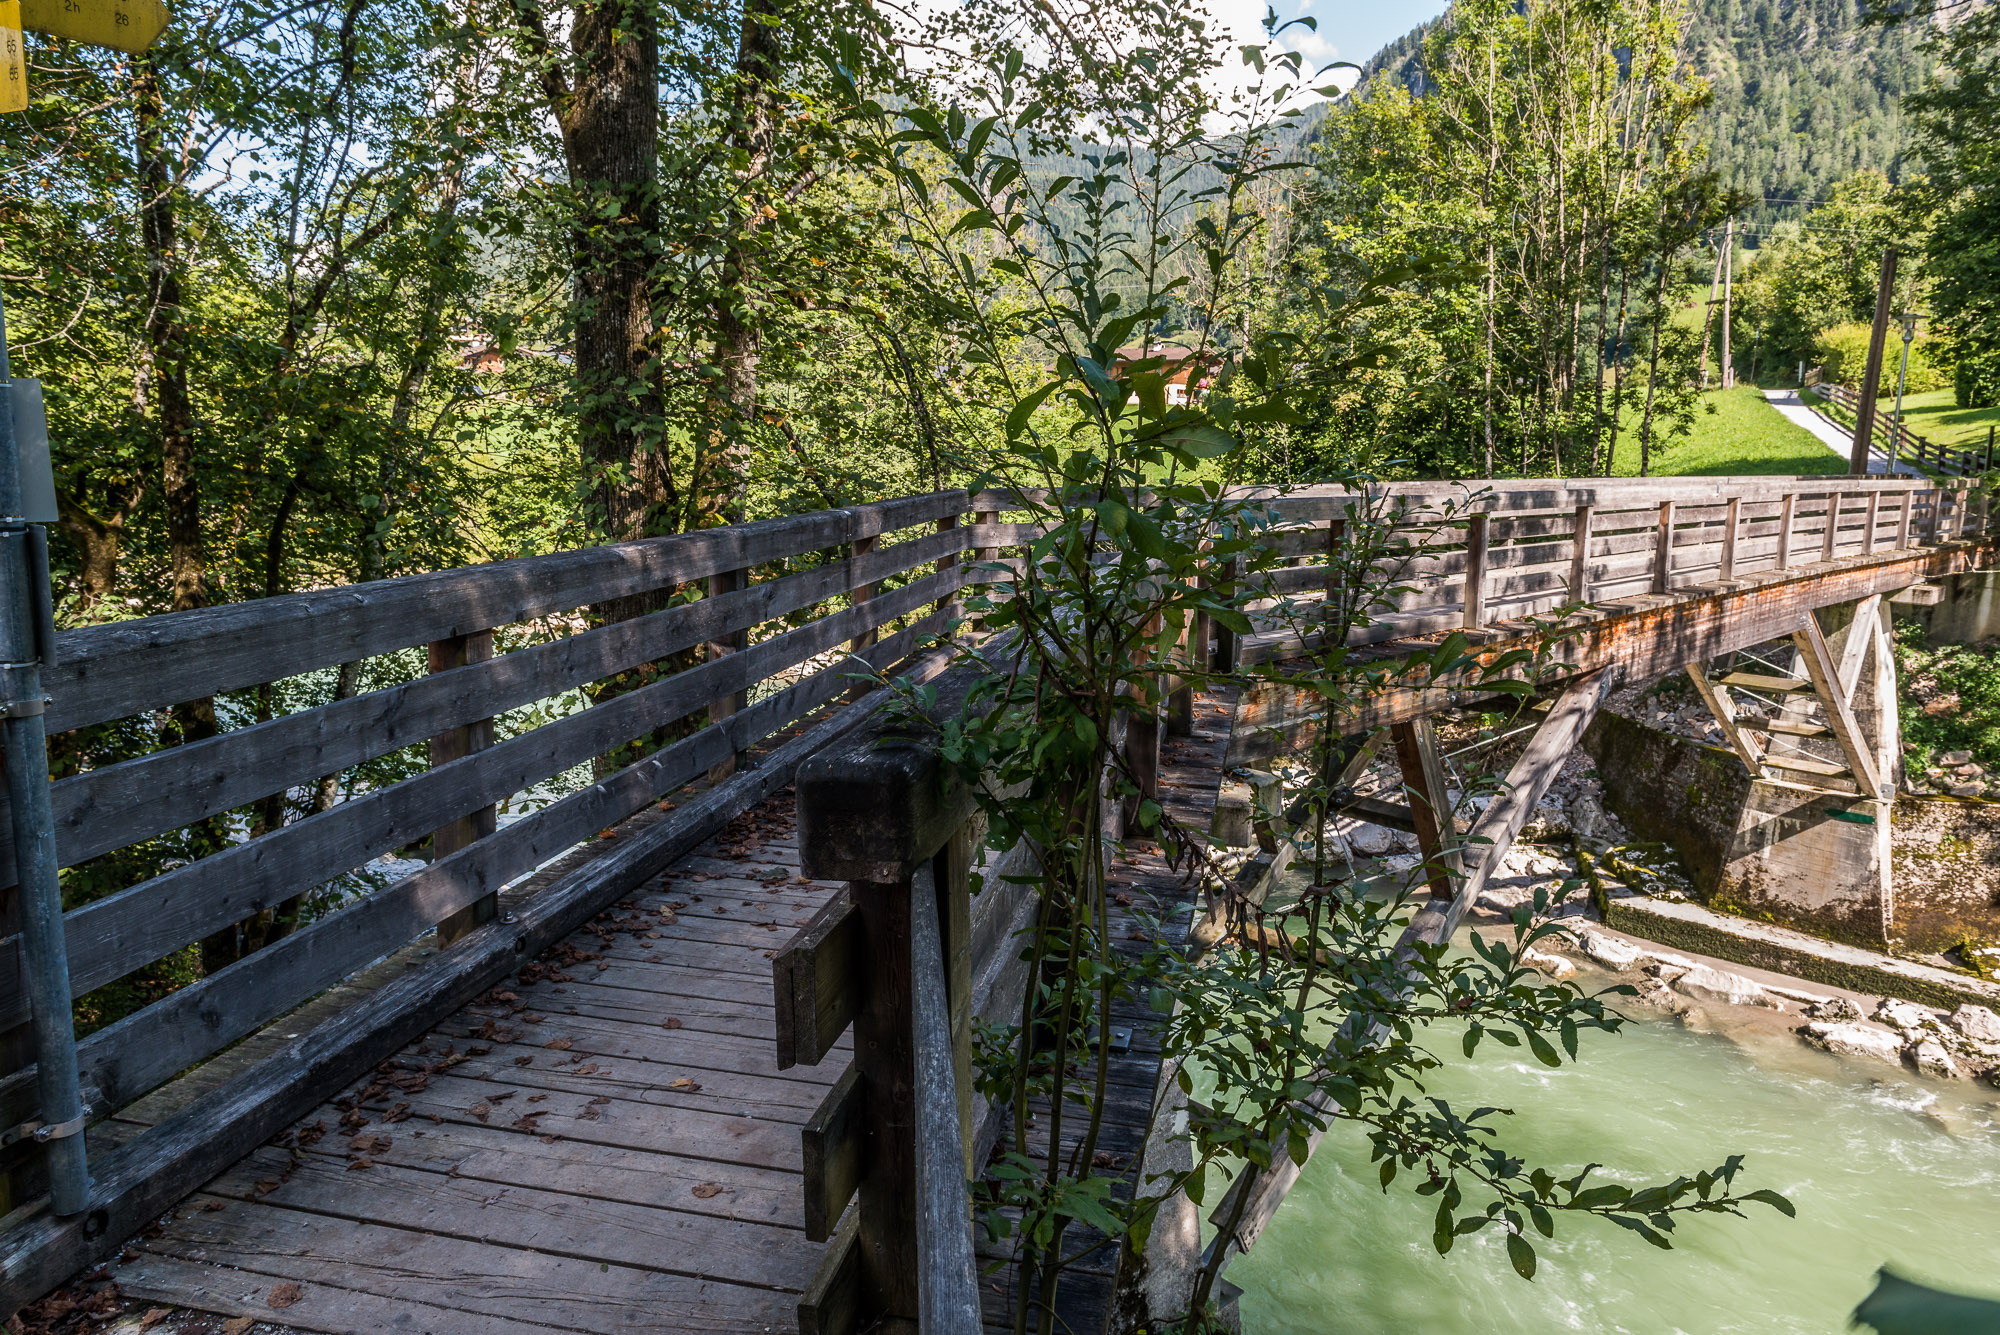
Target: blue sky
<point>1348,29</point>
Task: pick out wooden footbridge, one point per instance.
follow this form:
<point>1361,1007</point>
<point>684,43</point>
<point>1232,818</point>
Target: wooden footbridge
<point>680,1040</point>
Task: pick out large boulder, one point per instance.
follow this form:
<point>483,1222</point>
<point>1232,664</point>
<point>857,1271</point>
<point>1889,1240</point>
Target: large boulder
<point>1608,951</point>
<point>1853,1038</point>
<point>1930,1058</point>
<point>1976,1022</point>
<point>1370,841</point>
<point>1709,984</point>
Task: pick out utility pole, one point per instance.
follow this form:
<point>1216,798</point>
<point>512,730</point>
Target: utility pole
<point>1708,316</point>
<point>1871,381</point>
<point>1728,274</point>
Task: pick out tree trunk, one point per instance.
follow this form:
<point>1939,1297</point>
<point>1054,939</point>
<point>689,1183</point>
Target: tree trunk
<point>732,406</point>
<point>610,127</point>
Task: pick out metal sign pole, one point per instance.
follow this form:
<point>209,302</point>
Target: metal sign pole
<point>27,641</point>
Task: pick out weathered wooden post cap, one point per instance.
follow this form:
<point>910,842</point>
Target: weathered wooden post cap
<point>880,800</point>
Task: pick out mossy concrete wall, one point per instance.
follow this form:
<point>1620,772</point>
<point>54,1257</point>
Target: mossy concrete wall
<point>1670,790</point>
<point>1776,852</point>
<point>1947,854</point>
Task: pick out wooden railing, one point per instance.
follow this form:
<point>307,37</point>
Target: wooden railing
<point>1471,555</point>
<point>1902,443</point>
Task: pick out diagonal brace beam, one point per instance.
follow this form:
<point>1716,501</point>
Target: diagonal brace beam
<point>1719,704</point>
<point>1825,676</point>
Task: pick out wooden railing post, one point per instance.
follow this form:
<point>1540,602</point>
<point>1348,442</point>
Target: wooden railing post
<point>880,811</point>
<point>1733,522</point>
<point>1787,509</point>
<point>1868,523</point>
<point>1663,550</point>
<point>729,581</point>
<point>980,555</point>
<point>856,596</point>
<point>458,651</point>
<point>1831,538</point>
<point>1475,571</point>
<point>1579,555</point>
<point>1903,512</point>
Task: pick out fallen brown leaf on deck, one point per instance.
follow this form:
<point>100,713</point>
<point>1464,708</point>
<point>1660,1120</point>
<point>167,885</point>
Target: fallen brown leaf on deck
<point>524,1061</point>
<point>363,1162</point>
<point>704,1190</point>
<point>154,1316</point>
<point>588,1113</point>
<point>238,1325</point>
<point>212,1206</point>
<point>558,1044</point>
<point>480,1110</point>
<point>266,1185</point>
<point>536,1098</point>
<point>670,1023</point>
<point>527,1122</point>
<point>285,1295</point>
<point>601,1099</point>
<point>588,1068</point>
<point>683,1084</point>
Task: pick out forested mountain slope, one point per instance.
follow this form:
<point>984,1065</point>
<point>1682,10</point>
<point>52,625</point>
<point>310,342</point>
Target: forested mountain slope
<point>1804,94</point>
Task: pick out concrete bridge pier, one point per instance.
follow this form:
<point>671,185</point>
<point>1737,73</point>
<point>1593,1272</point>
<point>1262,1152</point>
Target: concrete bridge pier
<point>1817,855</point>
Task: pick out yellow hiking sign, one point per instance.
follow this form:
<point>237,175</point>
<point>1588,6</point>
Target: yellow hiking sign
<point>13,59</point>
<point>123,25</point>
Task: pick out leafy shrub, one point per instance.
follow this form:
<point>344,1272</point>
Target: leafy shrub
<point>1950,697</point>
<point>1843,349</point>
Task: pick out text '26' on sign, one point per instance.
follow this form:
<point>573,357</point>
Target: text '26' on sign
<point>123,25</point>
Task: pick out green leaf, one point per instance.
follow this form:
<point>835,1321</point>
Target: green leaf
<point>1544,1051</point>
<point>1017,418</point>
<point>1522,1253</point>
<point>1199,440</point>
<point>1765,1196</point>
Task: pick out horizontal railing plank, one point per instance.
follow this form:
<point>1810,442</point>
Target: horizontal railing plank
<point>128,667</point>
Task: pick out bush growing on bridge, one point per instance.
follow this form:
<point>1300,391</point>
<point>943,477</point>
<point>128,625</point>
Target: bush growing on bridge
<point>1140,542</point>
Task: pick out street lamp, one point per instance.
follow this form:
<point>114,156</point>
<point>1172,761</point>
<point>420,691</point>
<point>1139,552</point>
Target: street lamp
<point>1909,319</point>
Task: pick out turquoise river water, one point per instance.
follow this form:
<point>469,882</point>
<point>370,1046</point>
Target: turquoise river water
<point>1883,1167</point>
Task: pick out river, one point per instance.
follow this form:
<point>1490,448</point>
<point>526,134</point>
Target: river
<point>1883,1167</point>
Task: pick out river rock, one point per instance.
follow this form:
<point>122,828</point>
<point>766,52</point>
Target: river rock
<point>1930,1058</point>
<point>1586,816</point>
<point>1955,758</point>
<point>1833,1008</point>
<point>1976,1022</point>
<point>1709,984</point>
<point>1371,841</point>
<point>1853,1039</point>
<point>1555,966</point>
<point>1965,789</point>
<point>1608,951</point>
<point>1654,993</point>
<point>1905,1015</point>
<point>1504,899</point>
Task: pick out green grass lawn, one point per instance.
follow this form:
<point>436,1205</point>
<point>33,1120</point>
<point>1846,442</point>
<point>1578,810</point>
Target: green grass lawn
<point>1743,435</point>
<point>1936,419</point>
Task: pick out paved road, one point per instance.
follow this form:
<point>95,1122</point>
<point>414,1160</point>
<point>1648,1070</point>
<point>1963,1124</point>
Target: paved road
<point>1793,409</point>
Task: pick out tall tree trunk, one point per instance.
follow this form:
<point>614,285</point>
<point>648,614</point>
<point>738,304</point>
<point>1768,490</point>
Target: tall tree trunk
<point>732,405</point>
<point>164,354</point>
<point>610,124</point>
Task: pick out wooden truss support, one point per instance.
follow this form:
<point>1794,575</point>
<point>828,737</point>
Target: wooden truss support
<point>1824,674</point>
<point>1716,697</point>
<point>1489,839</point>
<point>1430,802</point>
<point>1854,650</point>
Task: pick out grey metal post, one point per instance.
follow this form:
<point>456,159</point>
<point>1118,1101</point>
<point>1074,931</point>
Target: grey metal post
<point>27,634</point>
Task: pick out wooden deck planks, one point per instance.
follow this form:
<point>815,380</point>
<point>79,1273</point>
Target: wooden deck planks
<point>563,1157</point>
